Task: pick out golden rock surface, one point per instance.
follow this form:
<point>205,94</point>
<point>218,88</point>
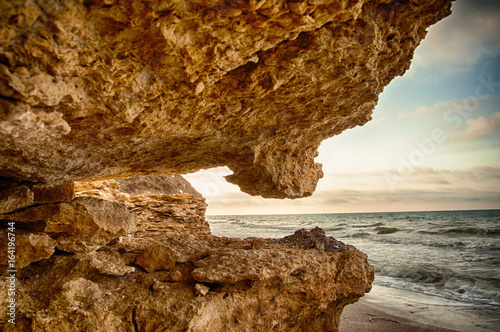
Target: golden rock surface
<point>102,89</point>
<point>168,273</point>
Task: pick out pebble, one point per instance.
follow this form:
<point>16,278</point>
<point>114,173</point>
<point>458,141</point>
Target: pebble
<point>201,289</point>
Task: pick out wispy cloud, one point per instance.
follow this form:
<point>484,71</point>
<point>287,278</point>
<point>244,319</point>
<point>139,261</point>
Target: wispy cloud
<point>438,108</point>
<point>419,178</point>
<point>423,189</point>
<point>465,107</point>
<point>479,128</point>
<point>459,41</point>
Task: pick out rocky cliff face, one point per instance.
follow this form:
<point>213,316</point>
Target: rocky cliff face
<point>88,264</point>
<point>102,89</point>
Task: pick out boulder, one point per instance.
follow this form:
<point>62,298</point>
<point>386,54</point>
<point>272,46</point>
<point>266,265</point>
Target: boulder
<point>82,225</point>
<point>81,292</point>
<point>12,199</point>
<point>107,263</point>
<point>30,247</point>
<point>157,256</point>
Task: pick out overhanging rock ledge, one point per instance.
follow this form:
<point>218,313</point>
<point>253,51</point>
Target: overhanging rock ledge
<point>102,89</point>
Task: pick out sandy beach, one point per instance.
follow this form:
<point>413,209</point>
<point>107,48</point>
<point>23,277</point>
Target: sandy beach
<point>386,309</point>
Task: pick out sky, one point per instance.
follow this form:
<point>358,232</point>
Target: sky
<point>433,143</point>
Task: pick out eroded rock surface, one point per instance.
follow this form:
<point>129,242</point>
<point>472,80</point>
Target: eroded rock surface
<point>30,247</point>
<point>17,195</point>
<point>110,89</point>
<point>103,89</point>
<point>224,285</point>
<point>162,204</point>
<point>167,278</point>
<point>82,225</point>
<point>15,198</point>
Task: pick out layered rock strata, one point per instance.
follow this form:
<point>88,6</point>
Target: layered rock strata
<point>110,89</point>
<point>48,217</point>
<point>162,204</point>
<point>175,279</point>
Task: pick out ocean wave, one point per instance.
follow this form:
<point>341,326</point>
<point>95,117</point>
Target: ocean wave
<point>421,273</point>
<point>368,225</point>
<point>438,281</point>
<point>360,235</point>
<point>412,218</point>
<point>439,242</point>
<point>463,231</point>
<point>473,231</point>
<point>332,229</point>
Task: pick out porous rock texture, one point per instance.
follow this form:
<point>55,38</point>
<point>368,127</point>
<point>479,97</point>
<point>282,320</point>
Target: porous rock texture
<point>102,89</point>
<point>155,279</point>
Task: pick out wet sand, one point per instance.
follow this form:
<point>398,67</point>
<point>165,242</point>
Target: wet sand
<point>386,309</point>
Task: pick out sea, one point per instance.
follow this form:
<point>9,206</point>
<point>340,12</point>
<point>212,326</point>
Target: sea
<point>454,255</point>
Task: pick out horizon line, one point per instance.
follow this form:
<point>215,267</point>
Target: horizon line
<point>319,213</point>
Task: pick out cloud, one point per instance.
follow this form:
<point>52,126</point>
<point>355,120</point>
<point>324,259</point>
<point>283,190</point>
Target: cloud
<point>436,109</point>
<point>417,113</point>
<point>459,41</point>
<point>415,197</point>
<point>454,126</point>
<point>423,189</point>
<point>424,178</point>
<point>464,107</point>
<point>479,128</point>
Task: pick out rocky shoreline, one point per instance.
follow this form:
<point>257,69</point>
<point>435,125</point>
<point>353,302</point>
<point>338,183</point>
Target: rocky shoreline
<point>152,276</point>
<point>104,90</point>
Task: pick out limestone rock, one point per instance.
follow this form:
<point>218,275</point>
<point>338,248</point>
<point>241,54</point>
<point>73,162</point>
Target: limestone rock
<point>82,225</point>
<point>201,289</point>
<point>15,195</point>
<point>173,184</point>
<point>110,89</point>
<point>81,292</point>
<point>280,287</point>
<point>53,193</point>
<point>315,238</point>
<point>156,257</point>
<point>171,214</point>
<point>15,198</point>
<point>30,247</point>
<point>163,204</point>
<point>257,244</point>
<point>104,263</point>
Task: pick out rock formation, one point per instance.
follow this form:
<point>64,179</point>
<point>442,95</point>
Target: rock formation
<point>102,89</point>
<point>96,91</point>
<point>165,277</point>
<point>163,204</point>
